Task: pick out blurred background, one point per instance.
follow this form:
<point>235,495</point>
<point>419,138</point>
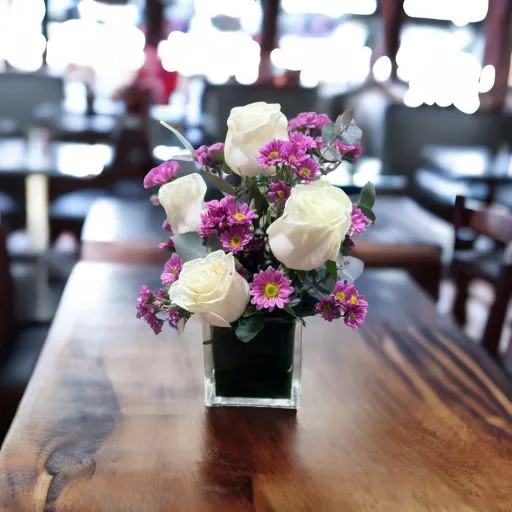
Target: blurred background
<point>84,85</point>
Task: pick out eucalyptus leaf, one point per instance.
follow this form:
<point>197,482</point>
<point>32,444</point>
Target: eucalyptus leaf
<point>367,196</point>
<point>180,137</point>
<point>213,243</point>
<point>221,184</point>
<point>351,135</point>
<point>368,212</point>
<point>351,270</point>
<point>247,328</point>
<point>343,121</point>
<point>189,246</point>
<point>182,157</point>
<point>328,132</point>
<point>331,155</point>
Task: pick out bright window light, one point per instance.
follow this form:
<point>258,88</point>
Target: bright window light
<point>382,68</point>
<point>112,14</point>
<point>460,12</point>
<point>487,77</point>
<point>332,8</point>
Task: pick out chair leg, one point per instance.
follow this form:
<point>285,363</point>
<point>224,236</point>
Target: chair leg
<point>497,315</point>
<point>429,278</point>
<point>461,298</point>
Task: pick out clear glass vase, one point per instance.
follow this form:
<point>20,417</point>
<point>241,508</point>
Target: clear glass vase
<point>263,372</point>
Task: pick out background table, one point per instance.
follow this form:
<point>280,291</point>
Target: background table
<point>404,415</point>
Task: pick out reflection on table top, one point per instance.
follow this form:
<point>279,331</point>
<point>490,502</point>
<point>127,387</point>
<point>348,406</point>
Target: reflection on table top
<point>406,414</point>
<point>64,159</point>
<point>469,163</point>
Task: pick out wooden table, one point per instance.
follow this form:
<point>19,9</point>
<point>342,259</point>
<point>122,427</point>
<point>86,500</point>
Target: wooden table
<point>405,415</point>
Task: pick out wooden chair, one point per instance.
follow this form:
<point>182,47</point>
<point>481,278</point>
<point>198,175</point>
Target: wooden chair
<point>493,265</point>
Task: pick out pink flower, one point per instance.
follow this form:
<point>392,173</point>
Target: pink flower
<point>161,174</point>
<point>309,121</point>
<point>204,155</point>
<point>166,226</point>
<point>154,200</point>
<point>236,238</point>
<point>349,152</point>
<point>347,295</point>
<point>271,153</point>
<point>303,141</point>
<point>355,315</point>
<point>359,220</point>
<point>293,154</point>
<point>279,192</point>
<point>169,245</point>
<point>174,317</point>
<point>216,215</point>
<point>270,289</point>
<point>147,311</point>
<point>328,308</point>
<point>241,214</point>
<point>307,170</point>
<point>172,269</point>
<point>319,141</point>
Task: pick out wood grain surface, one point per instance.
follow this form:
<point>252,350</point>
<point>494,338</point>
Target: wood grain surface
<point>405,415</point>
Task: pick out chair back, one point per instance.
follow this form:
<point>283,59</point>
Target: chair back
<point>218,101</point>
<point>6,296</point>
<point>23,94</point>
<point>495,224</point>
<point>408,130</point>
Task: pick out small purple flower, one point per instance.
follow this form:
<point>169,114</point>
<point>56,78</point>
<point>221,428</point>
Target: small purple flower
<point>307,170</point>
<point>271,153</point>
<point>359,220</point>
<point>166,226</point>
<point>241,214</point>
<point>293,154</point>
<point>305,142</point>
<point>270,289</point>
<point>236,238</point>
<point>279,192</point>
<point>204,155</point>
<point>214,216</point>
<point>308,121</point>
<point>328,308</point>
<point>172,269</point>
<point>161,174</point>
<point>154,200</point>
<point>147,311</point>
<point>256,244</point>
<point>355,315</point>
<point>348,295</point>
<point>169,245</point>
<point>349,152</point>
<point>174,317</point>
<point>349,242</point>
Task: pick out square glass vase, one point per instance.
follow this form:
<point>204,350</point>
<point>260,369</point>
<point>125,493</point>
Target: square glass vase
<point>263,372</point>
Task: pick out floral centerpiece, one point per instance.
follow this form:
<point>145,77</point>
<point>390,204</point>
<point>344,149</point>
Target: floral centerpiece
<point>272,250</point>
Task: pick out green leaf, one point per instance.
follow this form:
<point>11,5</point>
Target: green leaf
<point>331,155</point>
<point>290,311</point>
<point>368,212</point>
<point>180,137</point>
<point>302,275</point>
<point>189,246</point>
<point>213,243</point>
<point>328,132</point>
<point>351,134</point>
<point>343,121</point>
<point>331,268</point>
<point>222,185</point>
<point>367,197</point>
<point>260,201</point>
<point>247,328</point>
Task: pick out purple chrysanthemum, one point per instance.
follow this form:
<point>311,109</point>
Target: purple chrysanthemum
<point>256,244</point>
<point>216,215</point>
<point>169,245</point>
<point>271,153</point>
<point>166,226</point>
<point>279,192</point>
<point>161,174</point>
<point>349,152</point>
<point>146,310</point>
<point>308,121</point>
<point>328,308</point>
<point>172,269</point>
<point>204,154</point>
<point>174,317</point>
<point>305,142</point>
<point>241,214</point>
<point>293,154</point>
<point>355,315</point>
<point>270,289</point>
<point>359,220</point>
<point>236,238</point>
<point>307,170</point>
<point>348,295</point>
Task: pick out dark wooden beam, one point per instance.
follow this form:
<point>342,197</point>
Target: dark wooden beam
<point>393,15</point>
<point>269,35</point>
<point>154,22</point>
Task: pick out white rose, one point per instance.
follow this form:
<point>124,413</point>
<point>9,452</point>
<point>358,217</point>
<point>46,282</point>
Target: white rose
<point>212,287</point>
<point>315,220</point>
<point>182,200</point>
<point>249,129</point>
